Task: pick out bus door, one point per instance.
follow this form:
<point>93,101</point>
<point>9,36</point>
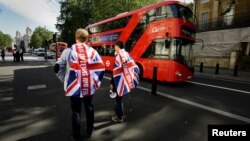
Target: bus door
<point>157,55</point>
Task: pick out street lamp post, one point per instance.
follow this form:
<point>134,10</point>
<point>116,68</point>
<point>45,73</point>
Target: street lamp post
<point>55,41</point>
<point>45,46</point>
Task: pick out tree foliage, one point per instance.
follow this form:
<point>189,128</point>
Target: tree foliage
<point>104,9</point>
<point>39,36</point>
<point>79,13</point>
<point>5,40</point>
<point>74,14</point>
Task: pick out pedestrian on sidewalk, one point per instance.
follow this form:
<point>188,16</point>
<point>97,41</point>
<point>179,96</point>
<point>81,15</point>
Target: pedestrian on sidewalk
<point>14,52</point>
<point>124,78</point>
<point>3,54</point>
<point>83,74</point>
<point>21,51</point>
<point>17,55</point>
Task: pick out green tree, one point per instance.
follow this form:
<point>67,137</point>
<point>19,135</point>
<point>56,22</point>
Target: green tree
<point>39,35</point>
<point>112,8</point>
<point>74,14</point>
<point>5,40</point>
<point>79,13</point>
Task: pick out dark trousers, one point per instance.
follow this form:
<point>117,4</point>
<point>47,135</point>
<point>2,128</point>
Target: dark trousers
<point>76,104</point>
<point>21,56</point>
<point>3,58</point>
<point>119,110</point>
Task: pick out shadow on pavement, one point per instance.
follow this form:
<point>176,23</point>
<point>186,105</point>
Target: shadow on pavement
<point>44,114</point>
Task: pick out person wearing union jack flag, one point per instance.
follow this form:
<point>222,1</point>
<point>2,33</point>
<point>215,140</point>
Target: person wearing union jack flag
<point>125,77</point>
<point>82,69</point>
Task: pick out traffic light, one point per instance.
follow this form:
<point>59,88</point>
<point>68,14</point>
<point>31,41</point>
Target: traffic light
<point>54,38</point>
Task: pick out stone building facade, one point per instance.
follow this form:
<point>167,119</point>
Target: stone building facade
<point>23,40</point>
<point>224,26</point>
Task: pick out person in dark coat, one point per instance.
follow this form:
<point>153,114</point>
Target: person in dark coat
<point>14,54</point>
<point>3,54</point>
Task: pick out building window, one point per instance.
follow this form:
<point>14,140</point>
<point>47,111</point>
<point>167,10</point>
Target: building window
<point>204,1</point>
<point>228,17</point>
<point>204,20</point>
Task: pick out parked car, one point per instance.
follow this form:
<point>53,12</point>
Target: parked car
<point>41,52</point>
<point>35,51</point>
<point>50,55</point>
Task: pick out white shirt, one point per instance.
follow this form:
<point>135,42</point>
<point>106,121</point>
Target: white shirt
<point>64,61</point>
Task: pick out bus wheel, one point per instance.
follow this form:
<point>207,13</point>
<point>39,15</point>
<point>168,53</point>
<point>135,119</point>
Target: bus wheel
<point>141,71</point>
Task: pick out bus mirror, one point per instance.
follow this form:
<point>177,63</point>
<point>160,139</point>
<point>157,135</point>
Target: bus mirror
<point>202,43</point>
<point>202,46</point>
<point>167,34</point>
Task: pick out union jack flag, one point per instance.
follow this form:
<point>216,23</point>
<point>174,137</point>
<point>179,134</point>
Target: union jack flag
<point>125,72</point>
<point>86,71</point>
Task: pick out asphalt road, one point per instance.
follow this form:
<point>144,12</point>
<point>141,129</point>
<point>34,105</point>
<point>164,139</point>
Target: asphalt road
<point>33,108</point>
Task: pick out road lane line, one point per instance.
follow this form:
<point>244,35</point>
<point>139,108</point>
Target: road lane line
<point>36,87</point>
<point>211,109</point>
<point>220,112</point>
<point>224,79</point>
<point>225,88</point>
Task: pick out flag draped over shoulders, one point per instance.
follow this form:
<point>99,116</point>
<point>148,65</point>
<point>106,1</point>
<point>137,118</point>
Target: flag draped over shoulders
<point>86,71</point>
<point>125,72</point>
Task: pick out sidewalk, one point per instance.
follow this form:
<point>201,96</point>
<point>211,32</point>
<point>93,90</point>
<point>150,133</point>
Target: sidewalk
<point>227,74</point>
<point>44,114</point>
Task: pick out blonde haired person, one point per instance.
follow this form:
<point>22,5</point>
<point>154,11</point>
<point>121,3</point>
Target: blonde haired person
<point>82,69</point>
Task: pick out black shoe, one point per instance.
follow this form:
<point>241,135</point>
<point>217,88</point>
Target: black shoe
<point>74,137</point>
<point>116,119</point>
<point>89,133</point>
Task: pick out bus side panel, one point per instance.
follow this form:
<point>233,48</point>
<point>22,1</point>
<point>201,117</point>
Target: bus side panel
<point>162,68</point>
<point>166,70</point>
<point>109,62</point>
<point>175,68</point>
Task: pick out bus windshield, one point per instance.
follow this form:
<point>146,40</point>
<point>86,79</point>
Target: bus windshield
<point>174,49</point>
<point>182,51</point>
<point>170,11</point>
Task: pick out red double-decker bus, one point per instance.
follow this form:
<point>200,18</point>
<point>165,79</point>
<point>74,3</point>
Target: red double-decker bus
<point>59,46</point>
<point>159,35</point>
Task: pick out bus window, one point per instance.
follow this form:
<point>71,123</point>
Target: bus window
<point>182,51</point>
<point>97,49</point>
<point>135,36</point>
<point>112,51</point>
<point>170,11</point>
<point>159,49</point>
<point>119,23</point>
<point>151,15</point>
<point>101,50</point>
<point>106,50</point>
<point>185,13</point>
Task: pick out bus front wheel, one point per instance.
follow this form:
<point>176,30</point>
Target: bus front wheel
<point>141,71</point>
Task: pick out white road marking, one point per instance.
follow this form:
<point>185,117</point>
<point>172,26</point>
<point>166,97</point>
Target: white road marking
<point>220,112</point>
<point>220,87</point>
<point>211,109</point>
<point>229,80</point>
<point>36,87</point>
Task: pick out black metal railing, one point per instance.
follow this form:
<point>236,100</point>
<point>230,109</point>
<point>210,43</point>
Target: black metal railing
<point>225,22</point>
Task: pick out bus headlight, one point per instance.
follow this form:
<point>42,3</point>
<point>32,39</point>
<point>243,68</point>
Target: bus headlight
<point>179,74</point>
